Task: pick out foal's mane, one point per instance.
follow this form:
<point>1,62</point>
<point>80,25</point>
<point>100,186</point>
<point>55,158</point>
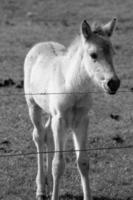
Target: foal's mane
<point>74,46</point>
<point>97,28</point>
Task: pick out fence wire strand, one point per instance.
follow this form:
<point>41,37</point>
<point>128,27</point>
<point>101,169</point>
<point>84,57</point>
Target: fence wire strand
<point>61,93</point>
<point>68,151</point>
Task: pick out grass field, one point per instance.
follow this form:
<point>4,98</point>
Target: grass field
<point>26,22</point>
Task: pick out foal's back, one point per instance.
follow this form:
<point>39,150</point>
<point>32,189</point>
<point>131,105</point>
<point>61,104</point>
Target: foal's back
<point>37,66</point>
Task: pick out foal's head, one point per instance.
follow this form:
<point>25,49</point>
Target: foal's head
<point>98,55</point>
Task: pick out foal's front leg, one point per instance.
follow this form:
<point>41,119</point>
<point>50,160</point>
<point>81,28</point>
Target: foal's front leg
<point>80,140</point>
<point>58,164</point>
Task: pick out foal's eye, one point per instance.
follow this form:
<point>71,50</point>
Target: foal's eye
<point>94,56</point>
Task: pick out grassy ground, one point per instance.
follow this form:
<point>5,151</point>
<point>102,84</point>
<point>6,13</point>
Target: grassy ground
<point>24,23</point>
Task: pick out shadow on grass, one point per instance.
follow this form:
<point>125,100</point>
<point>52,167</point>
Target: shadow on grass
<point>76,197</point>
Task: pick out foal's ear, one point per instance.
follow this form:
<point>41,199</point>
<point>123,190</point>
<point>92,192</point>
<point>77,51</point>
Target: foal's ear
<point>109,27</point>
<point>86,30</point>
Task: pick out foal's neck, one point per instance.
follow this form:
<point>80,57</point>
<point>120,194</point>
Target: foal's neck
<point>77,79</point>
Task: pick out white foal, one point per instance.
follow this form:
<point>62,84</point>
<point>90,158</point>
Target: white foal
<point>51,68</point>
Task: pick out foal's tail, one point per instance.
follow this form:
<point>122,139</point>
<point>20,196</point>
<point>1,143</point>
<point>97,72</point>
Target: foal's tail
<point>48,131</point>
<point>48,122</point>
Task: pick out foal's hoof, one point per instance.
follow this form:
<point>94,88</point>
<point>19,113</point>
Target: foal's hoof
<point>41,197</point>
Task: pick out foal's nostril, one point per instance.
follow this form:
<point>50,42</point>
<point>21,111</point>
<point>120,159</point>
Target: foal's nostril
<point>113,84</point>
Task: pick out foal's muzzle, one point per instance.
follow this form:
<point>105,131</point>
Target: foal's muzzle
<point>112,85</point>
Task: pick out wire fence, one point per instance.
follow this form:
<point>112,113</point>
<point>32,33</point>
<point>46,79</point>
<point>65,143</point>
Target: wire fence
<point>69,151</point>
<point>61,93</point>
<point>65,151</point>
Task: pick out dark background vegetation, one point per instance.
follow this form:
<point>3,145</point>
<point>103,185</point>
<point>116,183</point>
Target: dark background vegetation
<point>26,22</point>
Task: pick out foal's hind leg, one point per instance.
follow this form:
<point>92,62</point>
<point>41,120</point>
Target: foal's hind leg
<point>50,149</point>
<point>38,137</point>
